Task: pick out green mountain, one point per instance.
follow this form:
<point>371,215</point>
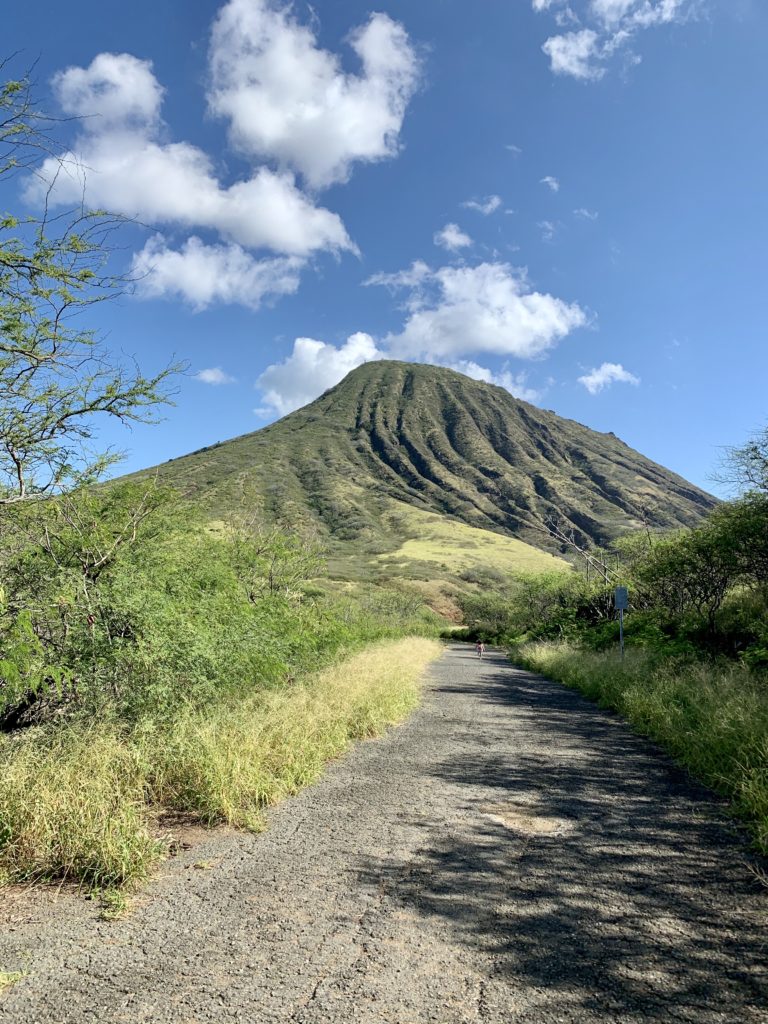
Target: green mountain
<point>406,466</point>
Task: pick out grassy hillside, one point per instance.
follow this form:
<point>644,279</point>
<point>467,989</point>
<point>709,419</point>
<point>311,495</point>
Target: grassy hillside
<point>396,439</point>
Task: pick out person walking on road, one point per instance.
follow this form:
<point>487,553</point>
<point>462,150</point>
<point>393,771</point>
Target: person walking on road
<point>480,648</point>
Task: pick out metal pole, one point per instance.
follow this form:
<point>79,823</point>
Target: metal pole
<point>621,632</point>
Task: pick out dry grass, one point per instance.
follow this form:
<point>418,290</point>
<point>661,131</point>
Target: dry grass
<point>229,765</point>
<point>72,805</point>
<point>77,802</point>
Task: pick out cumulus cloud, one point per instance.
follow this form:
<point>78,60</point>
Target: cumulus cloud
<point>203,275</point>
<point>611,11</point>
<point>485,206</point>
<point>611,27</point>
<point>314,366</point>
<point>584,214</point>
<point>552,183</point>
<point>451,313</point>
<point>452,238</point>
<point>214,375</point>
<point>515,383</point>
<point>288,99</point>
<point>454,311</point>
<point>116,90</point>
<point>311,368</point>
<point>574,53</point>
<point>606,374</point>
<point>122,166</point>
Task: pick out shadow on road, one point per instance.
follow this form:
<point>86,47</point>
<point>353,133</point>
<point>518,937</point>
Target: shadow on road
<point>584,864</point>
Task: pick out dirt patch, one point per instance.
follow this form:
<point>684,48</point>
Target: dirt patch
<point>179,831</point>
<point>527,821</point>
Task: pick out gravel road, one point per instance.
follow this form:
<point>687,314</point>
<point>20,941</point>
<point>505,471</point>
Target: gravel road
<point>510,854</point>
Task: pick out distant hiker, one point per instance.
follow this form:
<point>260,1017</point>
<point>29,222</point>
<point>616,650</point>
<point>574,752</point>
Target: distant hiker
<point>480,648</point>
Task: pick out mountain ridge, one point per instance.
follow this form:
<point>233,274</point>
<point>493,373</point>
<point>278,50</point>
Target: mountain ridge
<point>436,441</point>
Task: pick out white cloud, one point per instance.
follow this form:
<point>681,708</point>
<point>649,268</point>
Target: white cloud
<point>584,214</point>
<point>583,53</point>
<point>454,311</point>
<point>287,99</point>
<point>452,238</point>
<point>485,206</point>
<point>631,14</point>
<point>415,275</point>
<point>117,89</point>
<point>312,367</point>
<point>214,375</point>
<point>515,150</point>
<point>567,16</point>
<point>603,376</point>
<point>552,183</point>
<point>203,275</point>
<point>548,230</point>
<point>573,54</point>
<point>515,383</point>
<point>451,313</point>
<point>611,11</point>
<point>122,166</point>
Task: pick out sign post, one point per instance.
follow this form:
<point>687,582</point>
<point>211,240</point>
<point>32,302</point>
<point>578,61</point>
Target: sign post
<point>621,603</point>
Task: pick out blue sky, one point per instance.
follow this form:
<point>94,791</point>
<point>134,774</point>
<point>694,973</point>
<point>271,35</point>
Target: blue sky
<point>568,199</point>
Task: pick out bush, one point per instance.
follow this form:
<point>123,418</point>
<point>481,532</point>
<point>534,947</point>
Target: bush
<point>122,601</point>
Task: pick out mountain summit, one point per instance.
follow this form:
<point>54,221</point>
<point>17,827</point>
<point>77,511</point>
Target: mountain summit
<point>404,436</point>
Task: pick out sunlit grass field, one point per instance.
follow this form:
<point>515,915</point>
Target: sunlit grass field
<point>455,547</point>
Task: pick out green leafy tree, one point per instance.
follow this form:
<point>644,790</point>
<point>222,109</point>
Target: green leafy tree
<point>56,378</point>
<point>741,528</point>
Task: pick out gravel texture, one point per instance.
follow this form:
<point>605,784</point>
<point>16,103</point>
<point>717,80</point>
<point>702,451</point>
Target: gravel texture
<point>512,853</point>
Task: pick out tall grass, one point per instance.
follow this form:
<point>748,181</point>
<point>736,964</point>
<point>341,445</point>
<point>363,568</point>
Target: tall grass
<point>229,764</point>
<point>78,802</point>
<point>712,717</point>
<point>72,806</point>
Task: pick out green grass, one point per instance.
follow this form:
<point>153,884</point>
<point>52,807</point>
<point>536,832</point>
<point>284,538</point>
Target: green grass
<point>713,718</point>
<point>394,442</point>
<point>78,802</point>
<point>456,547</point>
<point>8,978</point>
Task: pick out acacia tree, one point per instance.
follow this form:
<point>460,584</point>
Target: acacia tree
<point>56,376</point>
<point>747,465</point>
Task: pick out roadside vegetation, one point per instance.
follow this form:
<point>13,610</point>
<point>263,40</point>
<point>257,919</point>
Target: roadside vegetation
<point>695,675</point>
<point>81,800</point>
<point>150,660</point>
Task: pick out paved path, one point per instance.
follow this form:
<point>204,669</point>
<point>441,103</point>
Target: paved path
<point>511,854</point>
